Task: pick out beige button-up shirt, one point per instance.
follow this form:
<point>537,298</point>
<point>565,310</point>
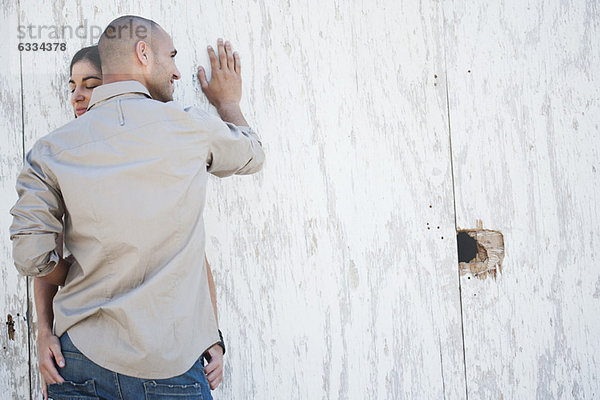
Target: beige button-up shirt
<point>129,177</point>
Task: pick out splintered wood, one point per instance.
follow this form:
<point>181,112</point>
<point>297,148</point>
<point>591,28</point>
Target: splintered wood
<point>490,254</point>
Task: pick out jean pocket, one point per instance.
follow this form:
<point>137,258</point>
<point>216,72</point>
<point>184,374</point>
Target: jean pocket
<point>162,391</point>
<point>73,391</point>
<point>74,356</point>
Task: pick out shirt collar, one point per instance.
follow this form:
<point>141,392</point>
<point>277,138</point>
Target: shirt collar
<point>105,92</point>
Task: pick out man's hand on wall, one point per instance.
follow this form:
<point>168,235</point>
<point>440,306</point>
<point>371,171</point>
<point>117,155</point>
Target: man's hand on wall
<point>225,86</point>
<point>224,90</point>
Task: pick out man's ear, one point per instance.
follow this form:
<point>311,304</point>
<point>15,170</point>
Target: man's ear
<point>142,51</point>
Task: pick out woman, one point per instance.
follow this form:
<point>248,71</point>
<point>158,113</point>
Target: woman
<point>85,75</point>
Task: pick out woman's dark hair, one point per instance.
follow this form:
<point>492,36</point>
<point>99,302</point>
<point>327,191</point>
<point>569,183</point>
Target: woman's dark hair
<point>90,54</point>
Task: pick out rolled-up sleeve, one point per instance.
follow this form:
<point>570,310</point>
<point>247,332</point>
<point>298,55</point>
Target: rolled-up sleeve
<point>235,150</point>
<point>232,149</point>
<point>37,218</point>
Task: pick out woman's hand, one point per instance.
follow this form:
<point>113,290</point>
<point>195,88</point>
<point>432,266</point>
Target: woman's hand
<point>49,351</point>
<point>214,368</point>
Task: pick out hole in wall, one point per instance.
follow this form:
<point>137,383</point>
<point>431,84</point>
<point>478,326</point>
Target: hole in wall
<point>480,252</point>
<point>467,247</point>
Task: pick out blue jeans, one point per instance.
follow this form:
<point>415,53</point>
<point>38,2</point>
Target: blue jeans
<point>87,380</point>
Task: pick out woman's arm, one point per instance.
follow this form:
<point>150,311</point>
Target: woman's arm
<point>214,368</point>
<point>48,344</point>
<point>211,288</point>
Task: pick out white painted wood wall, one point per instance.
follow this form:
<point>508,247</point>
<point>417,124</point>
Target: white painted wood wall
<point>378,118</point>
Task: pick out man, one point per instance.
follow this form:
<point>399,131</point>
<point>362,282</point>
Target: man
<point>129,177</point>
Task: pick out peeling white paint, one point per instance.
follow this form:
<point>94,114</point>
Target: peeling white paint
<point>329,283</point>
<point>523,167</point>
<point>14,368</point>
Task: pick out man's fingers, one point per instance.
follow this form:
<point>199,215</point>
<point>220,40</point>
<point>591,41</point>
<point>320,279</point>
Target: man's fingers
<point>48,370</point>
<point>237,62</point>
<point>214,61</point>
<point>60,360</point>
<point>202,78</point>
<point>229,52</point>
<point>51,374</point>
<point>222,54</point>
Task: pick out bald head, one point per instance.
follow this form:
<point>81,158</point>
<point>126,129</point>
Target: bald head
<point>117,45</point>
<point>136,48</point>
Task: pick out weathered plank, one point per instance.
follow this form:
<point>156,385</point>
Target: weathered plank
<point>334,279</point>
<point>45,105</point>
<point>330,284</point>
<point>524,111</point>
<point>14,363</point>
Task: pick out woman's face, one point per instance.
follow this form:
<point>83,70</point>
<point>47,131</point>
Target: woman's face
<point>84,78</point>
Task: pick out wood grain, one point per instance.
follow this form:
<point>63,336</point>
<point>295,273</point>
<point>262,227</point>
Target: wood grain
<point>336,266</point>
<point>524,110</point>
<point>14,370</point>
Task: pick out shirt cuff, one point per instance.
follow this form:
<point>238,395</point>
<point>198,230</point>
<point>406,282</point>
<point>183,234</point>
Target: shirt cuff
<point>49,267</point>
<point>35,255</point>
<point>248,131</point>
